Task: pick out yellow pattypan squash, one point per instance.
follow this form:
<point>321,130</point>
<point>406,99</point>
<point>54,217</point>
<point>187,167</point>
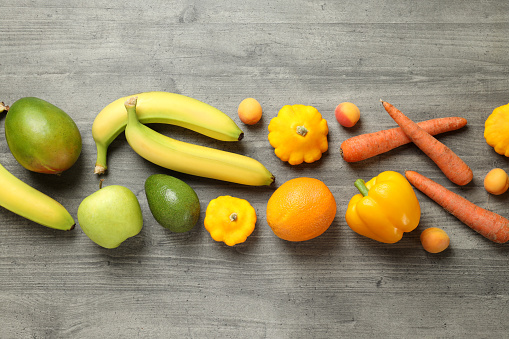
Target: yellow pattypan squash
<point>230,219</point>
<point>298,133</point>
<point>496,130</point>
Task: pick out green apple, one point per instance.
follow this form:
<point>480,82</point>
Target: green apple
<point>110,215</point>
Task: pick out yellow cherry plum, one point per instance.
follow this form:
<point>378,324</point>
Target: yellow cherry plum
<point>250,111</point>
<point>496,181</point>
<point>434,240</point>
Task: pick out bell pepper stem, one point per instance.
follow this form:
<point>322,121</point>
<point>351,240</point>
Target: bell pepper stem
<point>361,186</point>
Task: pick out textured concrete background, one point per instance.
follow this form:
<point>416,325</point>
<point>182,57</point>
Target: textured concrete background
<point>429,58</point>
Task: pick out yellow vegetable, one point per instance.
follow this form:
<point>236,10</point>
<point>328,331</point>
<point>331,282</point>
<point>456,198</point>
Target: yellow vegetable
<point>496,130</point>
<point>386,208</point>
<point>230,219</point>
<point>298,134</point>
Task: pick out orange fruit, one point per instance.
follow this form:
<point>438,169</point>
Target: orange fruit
<point>250,111</point>
<point>301,209</point>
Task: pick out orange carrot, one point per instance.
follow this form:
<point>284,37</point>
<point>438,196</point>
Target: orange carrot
<point>368,145</point>
<point>489,224</point>
<point>451,165</point>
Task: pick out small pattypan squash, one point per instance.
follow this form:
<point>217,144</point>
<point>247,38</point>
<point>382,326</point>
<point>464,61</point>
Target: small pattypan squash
<point>298,133</point>
<point>496,130</point>
<point>230,219</point>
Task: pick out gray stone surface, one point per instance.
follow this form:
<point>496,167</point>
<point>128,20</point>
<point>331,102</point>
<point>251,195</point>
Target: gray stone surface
<point>429,58</point>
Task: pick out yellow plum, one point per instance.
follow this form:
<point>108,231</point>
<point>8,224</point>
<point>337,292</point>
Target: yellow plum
<point>250,111</point>
<point>434,240</point>
<point>496,181</point>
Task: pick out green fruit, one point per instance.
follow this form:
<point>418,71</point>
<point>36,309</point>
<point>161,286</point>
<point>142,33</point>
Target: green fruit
<point>41,136</point>
<point>173,203</point>
<point>110,215</point>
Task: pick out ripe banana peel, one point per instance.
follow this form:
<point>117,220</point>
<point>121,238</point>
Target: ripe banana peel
<point>189,158</point>
<point>26,201</point>
<point>161,107</point>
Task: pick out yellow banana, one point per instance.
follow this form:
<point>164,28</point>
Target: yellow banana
<point>161,107</point>
<point>26,201</point>
<point>192,159</point>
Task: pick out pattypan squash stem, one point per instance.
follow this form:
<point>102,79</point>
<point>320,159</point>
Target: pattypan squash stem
<point>301,130</point>
<point>233,217</point>
<point>360,184</point>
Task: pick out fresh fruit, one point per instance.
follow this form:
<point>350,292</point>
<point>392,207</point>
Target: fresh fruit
<point>230,219</point>
<point>161,107</point>
<point>298,134</point>
<point>496,181</point>
<point>26,201</point>
<point>301,209</point>
<point>110,215</point>
<point>192,159</point>
<point>41,136</point>
<point>434,240</point>
<point>347,114</point>
<point>173,203</point>
<point>385,208</point>
<point>250,111</point>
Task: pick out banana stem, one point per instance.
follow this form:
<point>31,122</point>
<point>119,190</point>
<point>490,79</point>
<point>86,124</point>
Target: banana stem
<point>130,105</point>
<point>100,163</point>
<point>3,107</point>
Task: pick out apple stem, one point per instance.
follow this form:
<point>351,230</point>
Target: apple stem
<point>101,183</point>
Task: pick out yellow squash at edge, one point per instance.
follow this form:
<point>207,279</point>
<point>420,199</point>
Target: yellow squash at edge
<point>496,130</point>
<point>386,208</point>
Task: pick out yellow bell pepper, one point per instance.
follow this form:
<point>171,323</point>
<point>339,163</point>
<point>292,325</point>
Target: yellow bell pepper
<point>298,134</point>
<point>230,219</point>
<point>496,130</point>
<point>385,208</point>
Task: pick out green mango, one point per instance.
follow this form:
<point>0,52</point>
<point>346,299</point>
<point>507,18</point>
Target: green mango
<point>41,136</point>
<point>173,203</point>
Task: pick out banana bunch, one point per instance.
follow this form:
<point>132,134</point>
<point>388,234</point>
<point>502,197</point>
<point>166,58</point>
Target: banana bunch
<point>191,159</point>
<point>161,107</point>
<point>26,201</point>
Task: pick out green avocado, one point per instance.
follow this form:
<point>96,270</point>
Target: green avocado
<point>173,203</point>
<point>41,136</point>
